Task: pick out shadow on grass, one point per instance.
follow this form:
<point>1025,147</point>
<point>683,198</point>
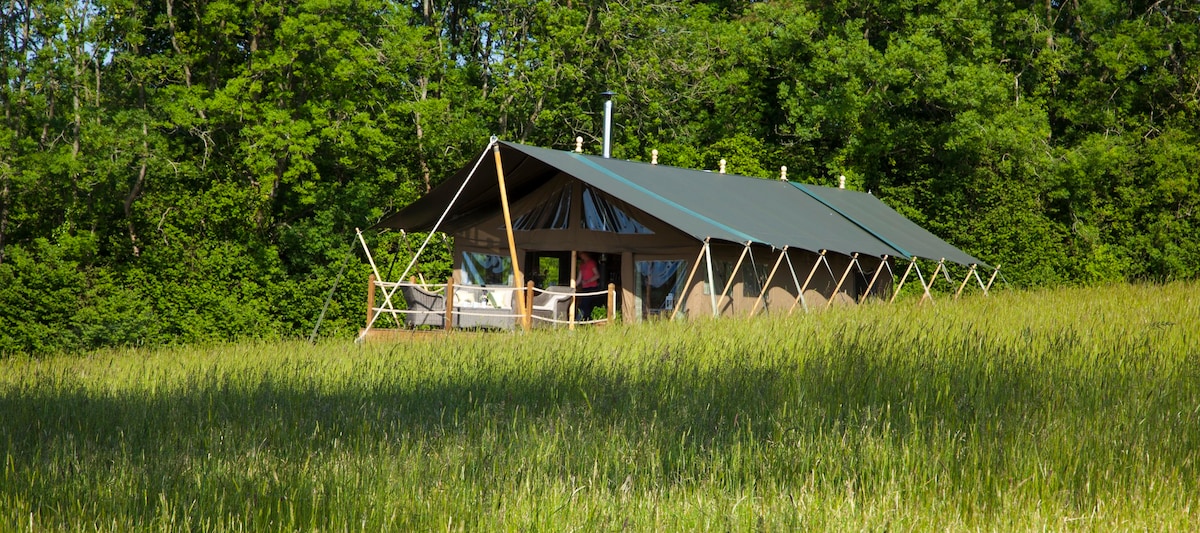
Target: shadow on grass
<point>667,419</point>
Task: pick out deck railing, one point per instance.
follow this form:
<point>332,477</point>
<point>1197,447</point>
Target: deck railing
<point>478,306</point>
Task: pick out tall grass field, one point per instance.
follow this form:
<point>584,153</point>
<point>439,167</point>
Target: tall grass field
<point>1072,409</point>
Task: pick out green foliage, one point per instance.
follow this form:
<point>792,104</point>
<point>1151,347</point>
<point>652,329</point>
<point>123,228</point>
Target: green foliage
<point>220,155</point>
<point>50,301</point>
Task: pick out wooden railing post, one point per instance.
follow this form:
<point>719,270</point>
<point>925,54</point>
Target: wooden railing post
<point>449,304</point>
<point>527,320</point>
<point>612,303</point>
<point>370,299</point>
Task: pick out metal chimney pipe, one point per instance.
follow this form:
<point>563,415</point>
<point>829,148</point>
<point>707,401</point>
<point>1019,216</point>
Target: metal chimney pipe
<point>607,152</point>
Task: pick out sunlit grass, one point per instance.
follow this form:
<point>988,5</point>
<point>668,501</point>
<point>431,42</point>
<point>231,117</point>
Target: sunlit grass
<point>1066,409</point>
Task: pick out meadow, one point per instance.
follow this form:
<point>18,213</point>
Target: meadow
<point>1068,409</point>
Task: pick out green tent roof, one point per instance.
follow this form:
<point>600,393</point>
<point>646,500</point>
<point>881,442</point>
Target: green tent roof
<point>702,204</point>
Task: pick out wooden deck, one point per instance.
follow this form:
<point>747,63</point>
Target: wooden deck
<point>398,335</point>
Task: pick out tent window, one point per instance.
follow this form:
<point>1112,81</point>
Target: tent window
<point>721,272</point>
<point>599,214</point>
<point>753,275</point>
<point>659,284</point>
<point>553,213</point>
<point>486,269</point>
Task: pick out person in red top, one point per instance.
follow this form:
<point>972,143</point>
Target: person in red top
<point>589,281</point>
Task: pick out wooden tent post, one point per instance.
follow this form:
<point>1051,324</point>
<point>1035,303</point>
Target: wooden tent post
<point>838,287</point>
<point>733,275</point>
<point>518,279</point>
<point>932,280</point>
<point>966,278</point>
<point>795,282</point>
<point>767,284</point>
<point>912,262</point>
<point>804,287</point>
<point>883,259</point>
<point>991,280</point>
<point>687,285</point>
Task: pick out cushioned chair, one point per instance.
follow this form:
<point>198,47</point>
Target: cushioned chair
<point>554,304</point>
<point>425,308</point>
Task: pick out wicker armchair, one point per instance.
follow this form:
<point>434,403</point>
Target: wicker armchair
<point>424,308</point>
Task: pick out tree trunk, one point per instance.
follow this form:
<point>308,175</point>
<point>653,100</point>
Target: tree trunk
<point>185,61</point>
<point>426,174</point>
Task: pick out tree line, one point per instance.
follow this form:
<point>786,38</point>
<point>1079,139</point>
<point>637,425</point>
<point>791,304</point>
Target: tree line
<point>194,170</point>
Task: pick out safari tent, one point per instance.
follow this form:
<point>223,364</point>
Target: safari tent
<point>671,243</point>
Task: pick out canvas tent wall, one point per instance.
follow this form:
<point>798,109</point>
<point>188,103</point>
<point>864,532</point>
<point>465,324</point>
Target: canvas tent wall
<point>655,213</point>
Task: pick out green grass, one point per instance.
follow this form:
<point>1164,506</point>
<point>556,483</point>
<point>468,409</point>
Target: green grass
<point>1073,409</point>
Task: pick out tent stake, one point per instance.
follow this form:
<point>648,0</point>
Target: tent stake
<point>838,287</point>
<point>771,276</point>
<point>804,287</point>
<point>871,285</point>
<point>518,279</point>
<point>687,285</point>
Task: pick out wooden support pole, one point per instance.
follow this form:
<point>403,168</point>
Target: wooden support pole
<point>807,280</point>
<point>370,299</point>
<point>911,263</point>
<point>767,285</point>
<point>991,280</point>
<point>795,282</point>
<point>883,260</point>
<point>518,279</point>
<point>733,275</point>
<point>687,285</point>
<point>838,287</point>
<point>387,295</point>
<point>932,279</point>
<point>966,278</point>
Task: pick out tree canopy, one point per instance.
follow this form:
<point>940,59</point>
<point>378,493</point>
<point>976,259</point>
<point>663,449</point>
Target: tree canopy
<point>194,170</point>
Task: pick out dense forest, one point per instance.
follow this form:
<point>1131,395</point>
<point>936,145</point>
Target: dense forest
<point>194,170</point>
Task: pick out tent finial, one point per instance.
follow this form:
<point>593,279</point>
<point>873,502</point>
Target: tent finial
<point>607,123</point>
<point>654,156</point>
<point>783,173</point>
<point>842,181</point>
<point>579,145</point>
<point>722,166</point>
